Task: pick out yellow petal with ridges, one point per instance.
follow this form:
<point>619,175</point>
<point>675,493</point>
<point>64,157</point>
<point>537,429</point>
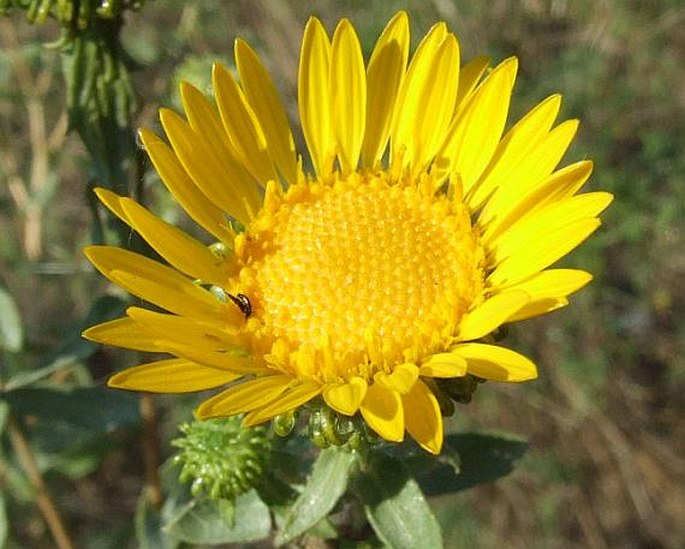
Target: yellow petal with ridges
<point>401,379</point>
<point>476,132</point>
<point>384,78</point>
<point>242,126</point>
<point>189,331</point>
<point>176,246</point>
<point>422,418</point>
<point>113,203</point>
<point>123,332</point>
<point>539,307</point>
<point>204,118</point>
<point>469,76</point>
<point>548,248</point>
<point>175,375</point>
<point>531,171</point>
<point>244,397</point>
<point>514,148</point>
<point>313,95</point>
<point>561,185</point>
<point>181,186</point>
<point>548,290</point>
<point>262,96</point>
<point>443,365</point>
<point>429,87</point>
<point>496,363</point>
<point>294,397</point>
<point>154,282</point>
<point>382,410</point>
<point>491,314</point>
<point>224,181</point>
<point>530,232</point>
<point>348,95</point>
<point>346,397</point>
<point>231,361</point>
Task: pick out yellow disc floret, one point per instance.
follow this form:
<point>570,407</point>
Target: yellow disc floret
<point>366,270</point>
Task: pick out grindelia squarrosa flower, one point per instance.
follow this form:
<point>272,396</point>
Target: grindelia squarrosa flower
<point>363,282</point>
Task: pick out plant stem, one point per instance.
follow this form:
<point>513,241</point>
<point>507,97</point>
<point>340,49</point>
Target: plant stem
<point>151,450</point>
<point>43,498</point>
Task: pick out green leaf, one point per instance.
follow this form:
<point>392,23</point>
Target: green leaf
<point>11,333</point>
<point>326,484</point>
<point>485,457</point>
<point>92,409</point>
<point>73,347</point>
<point>395,506</point>
<point>221,521</point>
<point>148,525</point>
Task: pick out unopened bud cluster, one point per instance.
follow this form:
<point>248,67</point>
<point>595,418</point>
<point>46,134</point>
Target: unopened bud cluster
<point>221,458</point>
<point>327,428</point>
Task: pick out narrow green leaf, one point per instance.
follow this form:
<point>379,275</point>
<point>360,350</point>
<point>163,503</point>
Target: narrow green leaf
<point>11,333</point>
<point>91,409</point>
<point>485,457</point>
<point>325,486</point>
<point>395,505</point>
<point>209,521</point>
<point>73,347</point>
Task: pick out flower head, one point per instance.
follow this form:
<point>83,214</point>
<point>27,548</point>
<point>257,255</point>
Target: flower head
<point>364,282</point>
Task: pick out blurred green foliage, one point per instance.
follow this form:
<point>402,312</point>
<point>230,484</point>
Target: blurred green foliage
<point>605,464</point>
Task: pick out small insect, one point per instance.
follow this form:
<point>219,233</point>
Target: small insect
<point>243,303</point>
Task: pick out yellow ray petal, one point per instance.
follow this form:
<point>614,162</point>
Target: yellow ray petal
<point>469,75</point>
<point>548,290</point>
<point>180,185</point>
<point>443,365</point>
<point>401,379</point>
<point>244,397</point>
<point>232,361</point>
<point>348,99</point>
<point>529,233</point>
<point>539,307</point>
<point>224,181</point>
<point>113,203</point>
<point>430,88</point>
<point>178,248</point>
<point>268,108</point>
<point>346,397</point>
<point>561,184</point>
<point>155,282</point>
<point>491,314</point>
<point>476,132</point>
<point>531,171</point>
<point>514,148</point>
<point>382,410</point>
<point>188,331</point>
<point>290,400</point>
<point>313,96</point>
<point>205,119</point>
<point>384,79</point>
<point>547,249</point>
<point>496,363</point>
<point>123,332</point>
<point>242,126</point>
<point>422,418</point>
<point>175,375</point>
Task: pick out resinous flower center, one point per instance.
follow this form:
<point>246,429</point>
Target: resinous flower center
<point>361,262</point>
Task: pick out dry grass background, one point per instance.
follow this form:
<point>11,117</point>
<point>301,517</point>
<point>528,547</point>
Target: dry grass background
<point>606,465</point>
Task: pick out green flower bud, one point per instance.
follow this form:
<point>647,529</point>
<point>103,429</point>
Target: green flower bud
<point>220,458</point>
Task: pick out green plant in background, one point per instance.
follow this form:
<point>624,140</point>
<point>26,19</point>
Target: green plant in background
<point>271,482</point>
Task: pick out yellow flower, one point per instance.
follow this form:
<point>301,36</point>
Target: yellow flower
<point>421,229</point>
